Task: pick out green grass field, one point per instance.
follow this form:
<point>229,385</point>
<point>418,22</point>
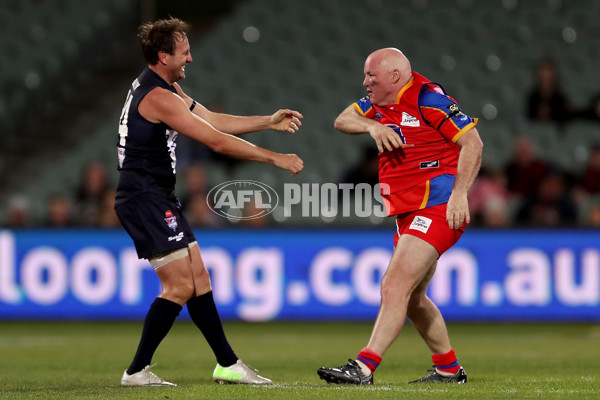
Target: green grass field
<point>83,360</point>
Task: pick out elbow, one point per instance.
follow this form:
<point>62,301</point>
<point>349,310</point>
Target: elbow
<point>217,145</point>
<point>478,145</point>
<point>476,148</point>
<point>339,124</point>
<point>473,143</point>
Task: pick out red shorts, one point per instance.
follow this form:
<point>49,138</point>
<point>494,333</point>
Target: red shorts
<point>430,225</point>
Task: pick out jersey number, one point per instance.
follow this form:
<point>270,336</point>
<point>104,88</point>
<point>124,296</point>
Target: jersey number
<point>123,129</point>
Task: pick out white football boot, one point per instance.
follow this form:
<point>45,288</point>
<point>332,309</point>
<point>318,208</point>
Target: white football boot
<point>144,377</point>
<point>239,373</point>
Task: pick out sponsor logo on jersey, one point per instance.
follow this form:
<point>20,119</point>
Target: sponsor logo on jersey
<point>455,110</point>
<point>378,115</point>
<point>420,224</point>
<point>171,220</point>
<point>430,164</point>
<point>409,120</point>
<point>176,238</point>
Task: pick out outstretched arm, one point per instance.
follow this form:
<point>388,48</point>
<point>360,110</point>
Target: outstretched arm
<point>351,122</point>
<point>161,105</point>
<point>469,162</point>
<point>281,120</point>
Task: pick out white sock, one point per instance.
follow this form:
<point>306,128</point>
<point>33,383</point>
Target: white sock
<point>443,373</point>
<point>364,368</point>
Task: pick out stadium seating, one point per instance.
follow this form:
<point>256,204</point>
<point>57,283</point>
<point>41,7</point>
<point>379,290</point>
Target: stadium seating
<point>49,46</point>
<point>309,56</point>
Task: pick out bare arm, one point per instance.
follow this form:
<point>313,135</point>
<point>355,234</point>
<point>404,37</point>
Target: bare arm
<point>469,162</point>
<point>281,120</point>
<point>351,122</point>
<point>161,105</point>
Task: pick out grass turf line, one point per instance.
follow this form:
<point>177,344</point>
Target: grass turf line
<point>85,360</point>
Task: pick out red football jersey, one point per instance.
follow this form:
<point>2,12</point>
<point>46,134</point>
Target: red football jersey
<point>430,122</point>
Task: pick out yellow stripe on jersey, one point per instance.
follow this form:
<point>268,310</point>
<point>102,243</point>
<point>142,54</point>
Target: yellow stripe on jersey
<point>463,130</point>
<point>426,195</point>
<point>360,111</point>
<point>404,88</point>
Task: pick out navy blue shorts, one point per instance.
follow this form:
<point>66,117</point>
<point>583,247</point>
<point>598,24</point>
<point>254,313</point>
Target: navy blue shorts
<point>155,223</point>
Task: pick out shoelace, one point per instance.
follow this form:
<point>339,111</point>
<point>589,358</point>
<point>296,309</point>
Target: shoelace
<point>249,367</point>
<point>153,378</point>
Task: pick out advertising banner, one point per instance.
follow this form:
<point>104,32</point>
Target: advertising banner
<point>264,275</point>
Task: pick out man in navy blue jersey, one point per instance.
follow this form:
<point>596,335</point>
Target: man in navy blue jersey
<point>155,111</point>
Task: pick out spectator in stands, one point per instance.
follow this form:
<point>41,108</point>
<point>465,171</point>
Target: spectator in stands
<point>525,171</point>
<point>194,177</point>
<point>19,209</point>
<point>255,217</point>
<point>90,194</point>
<point>199,213</point>
<point>495,213</point>
<point>593,216</point>
<point>367,170</point>
<point>590,180</point>
<point>546,101</point>
<point>489,187</point>
<point>106,216</point>
<point>551,205</point>
<point>59,212</point>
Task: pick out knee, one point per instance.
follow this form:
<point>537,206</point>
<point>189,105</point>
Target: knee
<point>393,291</point>
<point>180,291</point>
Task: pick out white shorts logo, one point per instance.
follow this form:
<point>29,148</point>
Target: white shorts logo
<point>176,238</point>
<point>421,224</point>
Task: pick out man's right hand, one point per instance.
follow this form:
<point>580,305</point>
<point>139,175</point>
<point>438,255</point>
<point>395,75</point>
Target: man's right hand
<point>291,162</point>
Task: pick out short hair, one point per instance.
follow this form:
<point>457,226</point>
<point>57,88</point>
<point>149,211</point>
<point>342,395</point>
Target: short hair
<point>160,36</point>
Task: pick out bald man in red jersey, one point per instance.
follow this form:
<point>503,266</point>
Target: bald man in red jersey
<point>430,154</point>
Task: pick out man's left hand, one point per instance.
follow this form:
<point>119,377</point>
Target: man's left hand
<point>286,120</point>
<point>457,212</point>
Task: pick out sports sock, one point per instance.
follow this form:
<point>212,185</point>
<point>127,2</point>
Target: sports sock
<point>158,322</point>
<point>369,359</point>
<point>203,312</point>
<point>446,364</point>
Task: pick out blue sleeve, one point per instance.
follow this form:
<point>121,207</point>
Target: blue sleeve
<point>438,108</point>
<point>364,106</point>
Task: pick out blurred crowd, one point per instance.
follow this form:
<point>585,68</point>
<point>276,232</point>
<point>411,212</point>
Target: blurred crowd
<point>531,192</point>
<point>528,191</point>
<point>92,204</point>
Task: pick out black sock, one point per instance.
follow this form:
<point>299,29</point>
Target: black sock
<point>204,313</point>
<point>158,322</point>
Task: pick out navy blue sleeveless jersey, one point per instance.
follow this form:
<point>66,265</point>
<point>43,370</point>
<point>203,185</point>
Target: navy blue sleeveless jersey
<point>146,150</point>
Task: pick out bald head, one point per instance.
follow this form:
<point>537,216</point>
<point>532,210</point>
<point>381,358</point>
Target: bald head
<point>391,58</point>
<point>386,72</point>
